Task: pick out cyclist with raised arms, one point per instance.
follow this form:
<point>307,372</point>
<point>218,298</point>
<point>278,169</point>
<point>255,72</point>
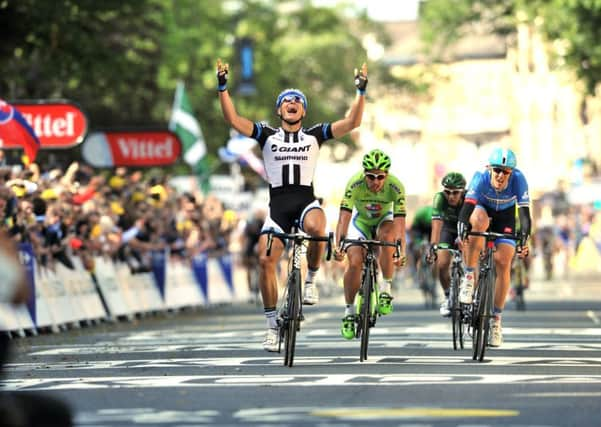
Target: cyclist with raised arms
<point>290,156</point>
<point>445,213</point>
<point>373,207</point>
<point>493,193</point>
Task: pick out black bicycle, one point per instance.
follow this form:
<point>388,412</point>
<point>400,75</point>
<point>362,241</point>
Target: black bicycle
<point>483,302</point>
<point>367,298</point>
<point>291,310</point>
<point>456,310</point>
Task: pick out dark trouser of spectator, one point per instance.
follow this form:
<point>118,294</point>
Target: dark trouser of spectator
<point>30,409</point>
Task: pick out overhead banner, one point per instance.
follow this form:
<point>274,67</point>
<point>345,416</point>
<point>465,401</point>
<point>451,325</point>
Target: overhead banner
<point>57,124</point>
<point>131,148</point>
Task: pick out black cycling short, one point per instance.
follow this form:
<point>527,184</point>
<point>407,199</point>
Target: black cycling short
<point>502,221</point>
<point>448,239</point>
<point>286,207</point>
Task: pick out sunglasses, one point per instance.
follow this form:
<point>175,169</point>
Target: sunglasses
<point>373,176</point>
<point>452,192</point>
<point>501,170</point>
<point>291,98</point>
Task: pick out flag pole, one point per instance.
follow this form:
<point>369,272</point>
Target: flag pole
<point>179,89</point>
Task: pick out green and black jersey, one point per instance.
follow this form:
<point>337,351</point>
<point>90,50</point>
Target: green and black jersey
<point>441,210</point>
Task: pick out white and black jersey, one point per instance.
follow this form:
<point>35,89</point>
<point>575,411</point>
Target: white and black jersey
<point>290,159</point>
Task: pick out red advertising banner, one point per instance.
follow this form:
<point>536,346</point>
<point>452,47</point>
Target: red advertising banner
<point>131,148</point>
<point>57,124</point>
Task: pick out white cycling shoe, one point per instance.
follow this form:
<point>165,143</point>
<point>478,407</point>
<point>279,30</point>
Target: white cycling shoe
<point>272,340</point>
<point>310,294</point>
<point>496,332</point>
<point>466,288</point>
<point>445,311</point>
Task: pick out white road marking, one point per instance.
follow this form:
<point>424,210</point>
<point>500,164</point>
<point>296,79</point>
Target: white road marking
<point>303,380</point>
<point>591,315</point>
<point>398,359</point>
<point>302,345</point>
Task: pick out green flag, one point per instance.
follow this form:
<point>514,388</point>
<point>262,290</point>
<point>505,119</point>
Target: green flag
<point>185,125</point>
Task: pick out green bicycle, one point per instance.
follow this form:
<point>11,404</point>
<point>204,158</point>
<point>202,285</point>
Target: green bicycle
<point>367,297</point>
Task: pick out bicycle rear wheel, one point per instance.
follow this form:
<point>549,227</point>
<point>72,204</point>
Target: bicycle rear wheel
<point>365,313</point>
<point>292,324</point>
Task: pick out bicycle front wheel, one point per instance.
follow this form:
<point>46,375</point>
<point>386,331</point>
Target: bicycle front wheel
<point>365,314</point>
<point>292,324</point>
<point>456,312</point>
<point>482,321</point>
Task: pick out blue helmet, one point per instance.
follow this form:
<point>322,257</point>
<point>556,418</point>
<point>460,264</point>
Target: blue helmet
<point>291,92</point>
<point>502,157</point>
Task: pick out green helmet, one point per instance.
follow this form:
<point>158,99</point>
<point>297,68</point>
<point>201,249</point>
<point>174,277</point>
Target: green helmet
<point>453,180</point>
<point>376,159</point>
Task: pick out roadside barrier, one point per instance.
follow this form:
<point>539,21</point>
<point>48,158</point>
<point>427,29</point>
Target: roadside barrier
<point>62,298</point>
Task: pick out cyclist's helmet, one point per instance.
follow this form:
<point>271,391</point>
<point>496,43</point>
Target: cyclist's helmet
<point>454,180</point>
<point>376,160</point>
<point>291,92</point>
<point>502,157</point>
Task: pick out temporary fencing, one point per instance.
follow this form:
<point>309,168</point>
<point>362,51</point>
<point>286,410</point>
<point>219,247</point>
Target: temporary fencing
<point>63,298</point>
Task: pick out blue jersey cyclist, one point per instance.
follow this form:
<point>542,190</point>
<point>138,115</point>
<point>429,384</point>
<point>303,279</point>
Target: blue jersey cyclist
<point>490,204</point>
<point>290,154</point>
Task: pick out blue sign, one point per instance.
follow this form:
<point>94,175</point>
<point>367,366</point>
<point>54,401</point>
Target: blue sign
<point>225,263</point>
<point>159,260</point>
<point>199,267</point>
<point>27,259</point>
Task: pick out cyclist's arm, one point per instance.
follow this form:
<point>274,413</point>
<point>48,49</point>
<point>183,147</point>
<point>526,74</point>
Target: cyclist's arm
<point>354,116</point>
<point>352,120</point>
<point>344,219</point>
<point>436,228</point>
<point>241,124</point>
<point>400,232</point>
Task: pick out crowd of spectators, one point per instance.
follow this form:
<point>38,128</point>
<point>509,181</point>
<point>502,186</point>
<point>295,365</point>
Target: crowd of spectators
<point>123,215</point>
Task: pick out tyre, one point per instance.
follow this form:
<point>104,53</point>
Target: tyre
<point>292,324</point>
<point>365,314</point>
<point>456,312</point>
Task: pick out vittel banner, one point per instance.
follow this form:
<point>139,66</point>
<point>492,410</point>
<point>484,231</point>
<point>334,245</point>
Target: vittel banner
<point>57,124</point>
<point>131,148</point>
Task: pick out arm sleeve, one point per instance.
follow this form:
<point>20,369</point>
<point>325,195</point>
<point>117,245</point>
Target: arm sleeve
<point>322,132</point>
<point>525,223</point>
<point>466,212</point>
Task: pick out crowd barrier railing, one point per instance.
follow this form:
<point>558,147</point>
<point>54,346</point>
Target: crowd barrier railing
<point>62,298</point>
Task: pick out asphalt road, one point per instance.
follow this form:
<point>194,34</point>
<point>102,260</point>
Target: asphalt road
<point>206,367</point>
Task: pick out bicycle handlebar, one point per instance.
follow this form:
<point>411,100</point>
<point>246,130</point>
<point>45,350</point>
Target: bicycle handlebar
<point>367,244</point>
<point>300,237</point>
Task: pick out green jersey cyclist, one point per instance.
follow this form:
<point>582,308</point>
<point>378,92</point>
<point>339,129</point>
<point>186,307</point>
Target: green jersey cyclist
<point>373,207</point>
<point>445,212</point>
<point>290,154</point>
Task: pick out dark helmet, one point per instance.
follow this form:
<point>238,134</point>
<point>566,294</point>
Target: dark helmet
<point>376,159</point>
<point>453,180</point>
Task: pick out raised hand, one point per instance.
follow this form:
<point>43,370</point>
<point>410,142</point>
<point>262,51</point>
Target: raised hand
<point>222,72</point>
<point>361,78</point>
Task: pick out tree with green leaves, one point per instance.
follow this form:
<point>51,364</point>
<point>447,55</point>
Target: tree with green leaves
<point>575,23</point>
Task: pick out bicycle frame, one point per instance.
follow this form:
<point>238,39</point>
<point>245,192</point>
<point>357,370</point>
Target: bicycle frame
<point>291,312</point>
<point>483,303</point>
<point>456,310</point>
<point>367,301</point>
